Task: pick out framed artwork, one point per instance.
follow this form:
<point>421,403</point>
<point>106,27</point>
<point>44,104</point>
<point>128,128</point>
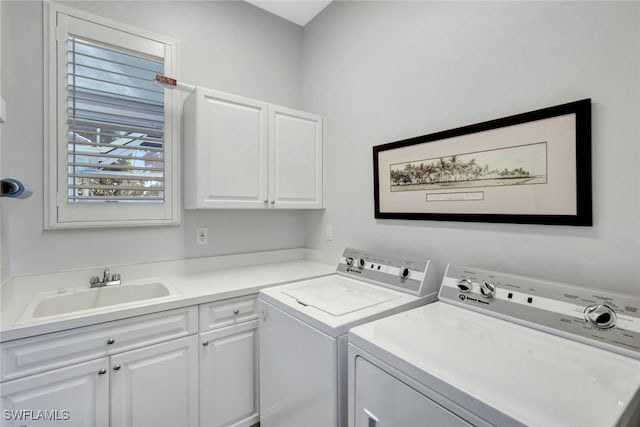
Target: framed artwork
<point>530,168</point>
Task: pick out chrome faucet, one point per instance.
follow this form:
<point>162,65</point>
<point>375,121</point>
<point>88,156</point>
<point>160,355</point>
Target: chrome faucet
<point>107,279</point>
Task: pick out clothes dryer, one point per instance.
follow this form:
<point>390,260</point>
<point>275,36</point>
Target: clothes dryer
<point>500,350</point>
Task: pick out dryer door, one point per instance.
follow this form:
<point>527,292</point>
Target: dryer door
<point>399,405</point>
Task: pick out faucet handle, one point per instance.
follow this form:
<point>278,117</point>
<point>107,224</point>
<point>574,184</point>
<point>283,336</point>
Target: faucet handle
<point>115,277</point>
<point>94,280</point>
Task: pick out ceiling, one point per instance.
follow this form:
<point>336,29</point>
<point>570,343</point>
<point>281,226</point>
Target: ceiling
<point>296,11</point>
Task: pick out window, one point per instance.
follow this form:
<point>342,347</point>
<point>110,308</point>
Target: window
<point>113,161</point>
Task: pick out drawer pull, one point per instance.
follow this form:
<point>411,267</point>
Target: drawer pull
<point>236,311</point>
<point>205,343</point>
<point>111,341</point>
<point>116,368</point>
<point>102,371</point>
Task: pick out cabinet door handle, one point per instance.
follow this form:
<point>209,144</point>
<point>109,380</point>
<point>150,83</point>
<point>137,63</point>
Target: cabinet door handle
<point>205,343</point>
<point>273,202</point>
<point>236,311</point>
<point>116,368</point>
<point>111,341</point>
<point>102,371</point>
<point>265,201</point>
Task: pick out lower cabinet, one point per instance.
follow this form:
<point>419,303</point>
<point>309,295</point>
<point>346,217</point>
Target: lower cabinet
<point>152,386</point>
<point>229,376</point>
<point>75,396</point>
<point>149,371</point>
<point>156,385</point>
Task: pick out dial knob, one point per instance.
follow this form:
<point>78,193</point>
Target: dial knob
<point>601,316</point>
<point>465,285</point>
<point>404,272</point>
<point>349,261</point>
<point>360,262</point>
<point>487,289</point>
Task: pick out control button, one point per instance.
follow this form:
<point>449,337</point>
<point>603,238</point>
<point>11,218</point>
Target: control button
<point>529,300</point>
<point>601,316</point>
<point>360,263</point>
<point>487,289</point>
<point>510,295</point>
<point>349,261</point>
<point>465,285</point>
<point>404,272</point>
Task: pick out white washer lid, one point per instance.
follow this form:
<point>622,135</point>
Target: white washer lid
<point>338,303</point>
<point>531,376</point>
<point>338,297</point>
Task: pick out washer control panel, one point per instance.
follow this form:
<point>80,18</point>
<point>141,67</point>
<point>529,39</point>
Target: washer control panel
<point>413,276</point>
<point>590,316</point>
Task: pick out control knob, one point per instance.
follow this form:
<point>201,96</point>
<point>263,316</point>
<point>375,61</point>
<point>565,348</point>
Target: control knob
<point>487,289</point>
<point>404,273</point>
<point>360,263</point>
<point>601,316</point>
<point>465,285</point>
<point>349,261</point>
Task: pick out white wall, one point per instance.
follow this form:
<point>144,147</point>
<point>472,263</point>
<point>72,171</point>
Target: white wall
<point>378,72</point>
<point>386,71</point>
<point>230,46</point>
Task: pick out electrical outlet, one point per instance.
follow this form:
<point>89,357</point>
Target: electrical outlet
<point>328,233</point>
<point>202,236</point>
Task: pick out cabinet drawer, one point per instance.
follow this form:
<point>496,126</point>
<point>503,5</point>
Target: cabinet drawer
<point>44,352</point>
<point>228,312</point>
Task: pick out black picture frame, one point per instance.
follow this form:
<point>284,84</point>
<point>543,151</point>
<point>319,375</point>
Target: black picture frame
<point>561,185</point>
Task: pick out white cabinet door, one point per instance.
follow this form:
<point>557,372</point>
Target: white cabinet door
<point>75,396</point>
<point>225,151</point>
<point>295,159</point>
<point>156,385</point>
<point>229,376</point>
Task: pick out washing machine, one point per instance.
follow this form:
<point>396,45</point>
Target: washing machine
<point>500,350</point>
<point>303,333</point>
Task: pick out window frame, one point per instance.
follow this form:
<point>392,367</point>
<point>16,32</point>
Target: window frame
<point>59,214</point>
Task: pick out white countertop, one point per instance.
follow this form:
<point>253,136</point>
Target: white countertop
<point>196,282</point>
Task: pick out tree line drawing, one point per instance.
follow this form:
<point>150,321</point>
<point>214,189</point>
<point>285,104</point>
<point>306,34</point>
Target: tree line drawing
<point>506,166</point>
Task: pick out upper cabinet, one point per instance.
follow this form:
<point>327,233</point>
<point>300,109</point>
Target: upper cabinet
<point>243,153</point>
<point>225,151</point>
<point>295,159</point>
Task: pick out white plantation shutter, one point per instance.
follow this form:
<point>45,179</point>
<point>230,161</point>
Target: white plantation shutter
<point>115,127</point>
<point>115,117</point>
